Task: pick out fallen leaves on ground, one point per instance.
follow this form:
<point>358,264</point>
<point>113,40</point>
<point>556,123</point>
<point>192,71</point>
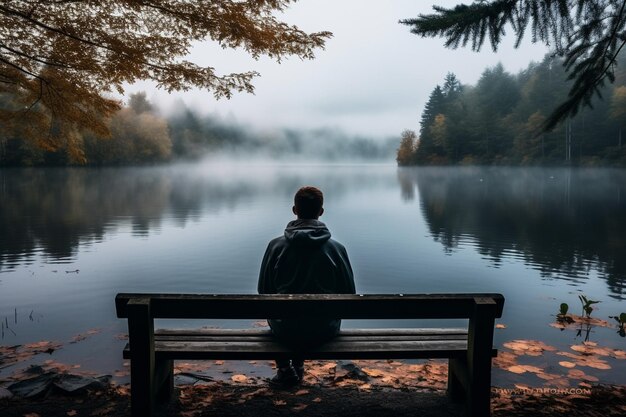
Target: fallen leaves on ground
<point>299,407</point>
<point>232,399</point>
<point>239,378</point>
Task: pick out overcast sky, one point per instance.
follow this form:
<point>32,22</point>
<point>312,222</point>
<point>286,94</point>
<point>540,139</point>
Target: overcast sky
<point>373,78</point>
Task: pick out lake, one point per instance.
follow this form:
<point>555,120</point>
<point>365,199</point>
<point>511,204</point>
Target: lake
<point>71,238</point>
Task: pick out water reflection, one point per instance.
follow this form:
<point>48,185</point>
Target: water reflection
<point>566,223</point>
<point>51,212</point>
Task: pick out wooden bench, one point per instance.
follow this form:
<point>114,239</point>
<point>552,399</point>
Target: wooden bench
<point>469,350</point>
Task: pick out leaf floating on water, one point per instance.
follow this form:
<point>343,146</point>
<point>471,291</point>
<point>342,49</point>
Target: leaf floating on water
<point>548,377</point>
<point>575,373</point>
<point>528,347</point>
<point>500,326</point>
<point>516,369</point>
<point>82,336</point>
<point>590,348</point>
<point>578,374</point>
<point>567,364</point>
<point>618,354</point>
<point>585,360</point>
<point>573,321</point>
<point>302,392</point>
<point>505,359</point>
<point>561,382</point>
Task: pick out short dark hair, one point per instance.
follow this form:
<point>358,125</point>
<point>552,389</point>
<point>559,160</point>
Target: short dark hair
<point>308,201</point>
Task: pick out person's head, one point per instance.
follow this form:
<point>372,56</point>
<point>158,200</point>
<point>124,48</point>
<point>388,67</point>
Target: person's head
<point>308,202</point>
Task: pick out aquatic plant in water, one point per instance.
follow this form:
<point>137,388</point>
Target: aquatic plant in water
<point>621,322</point>
<point>586,304</point>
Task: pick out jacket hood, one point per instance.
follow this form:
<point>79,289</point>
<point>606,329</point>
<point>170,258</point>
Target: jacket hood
<point>306,232</point>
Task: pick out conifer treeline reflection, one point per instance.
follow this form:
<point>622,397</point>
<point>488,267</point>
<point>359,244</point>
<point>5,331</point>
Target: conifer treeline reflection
<point>563,222</point>
<point>54,210</point>
<point>51,211</point>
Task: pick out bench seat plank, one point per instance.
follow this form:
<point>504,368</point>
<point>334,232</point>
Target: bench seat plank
<point>331,350</point>
<point>345,335</point>
<point>349,344</point>
<point>344,332</point>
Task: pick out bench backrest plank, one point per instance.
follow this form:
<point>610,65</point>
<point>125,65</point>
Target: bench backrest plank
<point>368,306</point>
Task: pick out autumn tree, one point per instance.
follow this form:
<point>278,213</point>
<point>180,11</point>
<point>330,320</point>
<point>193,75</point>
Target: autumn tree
<point>588,34</point>
<point>408,143</point>
<point>137,136</point>
<point>60,61</point>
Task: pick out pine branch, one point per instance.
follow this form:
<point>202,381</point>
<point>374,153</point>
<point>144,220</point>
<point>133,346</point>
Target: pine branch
<point>575,29</point>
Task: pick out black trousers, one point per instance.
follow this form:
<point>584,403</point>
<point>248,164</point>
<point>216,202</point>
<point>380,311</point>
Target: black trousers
<point>302,334</point>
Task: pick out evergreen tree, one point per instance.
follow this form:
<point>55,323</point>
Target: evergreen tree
<point>501,120</point>
<point>451,87</point>
<point>455,112</point>
<point>588,34</point>
<point>433,107</point>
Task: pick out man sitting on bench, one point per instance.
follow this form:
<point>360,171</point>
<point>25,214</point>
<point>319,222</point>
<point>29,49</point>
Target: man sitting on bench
<point>304,261</point>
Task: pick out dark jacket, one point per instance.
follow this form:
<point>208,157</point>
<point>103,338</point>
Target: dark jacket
<point>305,261</point>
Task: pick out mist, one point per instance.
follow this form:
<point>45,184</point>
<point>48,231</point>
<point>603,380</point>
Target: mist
<point>196,136</point>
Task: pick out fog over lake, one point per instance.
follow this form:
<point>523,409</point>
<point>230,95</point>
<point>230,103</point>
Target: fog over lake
<point>71,238</point>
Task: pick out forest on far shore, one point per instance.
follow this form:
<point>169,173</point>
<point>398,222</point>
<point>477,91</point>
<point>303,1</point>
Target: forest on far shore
<point>499,121</point>
<point>141,134</point>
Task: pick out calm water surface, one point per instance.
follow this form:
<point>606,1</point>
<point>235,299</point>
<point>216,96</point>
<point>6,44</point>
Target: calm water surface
<point>70,239</point>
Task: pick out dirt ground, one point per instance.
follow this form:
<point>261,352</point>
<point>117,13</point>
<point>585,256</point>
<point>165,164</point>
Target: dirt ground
<point>233,400</point>
<point>330,388</point>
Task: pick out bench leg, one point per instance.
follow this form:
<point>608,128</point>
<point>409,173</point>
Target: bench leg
<point>141,387</point>
<point>164,377</point>
<point>456,368</point>
<point>479,393</point>
<point>479,348</point>
<point>142,361</point>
